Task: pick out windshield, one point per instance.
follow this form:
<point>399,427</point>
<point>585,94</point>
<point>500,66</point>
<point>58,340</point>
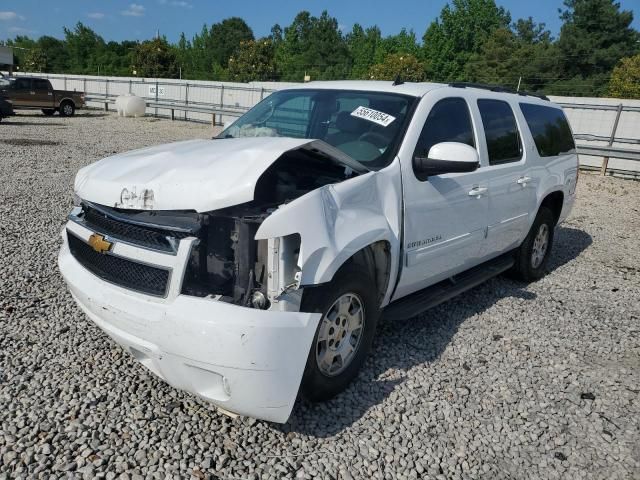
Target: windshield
<point>367,126</point>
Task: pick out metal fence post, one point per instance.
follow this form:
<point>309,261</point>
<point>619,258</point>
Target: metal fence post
<point>186,99</point>
<point>84,85</point>
<point>221,96</point>
<point>156,110</point>
<point>605,160</point>
<point>65,83</point>
<point>130,86</point>
<point>261,93</point>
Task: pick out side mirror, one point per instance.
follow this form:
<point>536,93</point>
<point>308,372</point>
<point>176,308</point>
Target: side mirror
<point>447,157</point>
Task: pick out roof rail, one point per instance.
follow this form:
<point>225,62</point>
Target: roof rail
<point>497,88</point>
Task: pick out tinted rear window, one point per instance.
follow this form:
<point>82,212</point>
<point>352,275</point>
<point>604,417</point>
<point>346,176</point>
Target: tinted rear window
<point>501,131</point>
<point>549,128</point>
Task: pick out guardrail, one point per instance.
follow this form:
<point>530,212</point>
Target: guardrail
<point>172,106</point>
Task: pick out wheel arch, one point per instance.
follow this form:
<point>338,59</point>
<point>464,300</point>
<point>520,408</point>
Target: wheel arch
<point>553,201</point>
<point>66,99</point>
<point>375,258</point>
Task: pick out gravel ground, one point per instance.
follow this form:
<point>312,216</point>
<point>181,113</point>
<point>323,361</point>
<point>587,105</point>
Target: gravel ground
<point>506,381</point>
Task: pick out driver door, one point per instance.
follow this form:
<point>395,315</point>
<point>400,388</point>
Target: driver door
<point>445,216</point>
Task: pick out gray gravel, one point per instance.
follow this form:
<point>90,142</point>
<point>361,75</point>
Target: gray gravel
<point>506,381</point>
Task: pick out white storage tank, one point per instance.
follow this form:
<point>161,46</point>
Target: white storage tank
<point>130,105</point>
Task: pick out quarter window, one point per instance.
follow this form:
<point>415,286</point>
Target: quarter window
<point>501,131</point>
<point>448,121</point>
<point>549,129</point>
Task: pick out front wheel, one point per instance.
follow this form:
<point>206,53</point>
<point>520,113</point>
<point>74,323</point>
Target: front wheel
<point>350,312</point>
<point>532,256</point>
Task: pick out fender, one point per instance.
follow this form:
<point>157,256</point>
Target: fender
<point>336,221</point>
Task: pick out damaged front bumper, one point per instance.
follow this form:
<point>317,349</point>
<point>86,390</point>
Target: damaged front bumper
<point>246,361</point>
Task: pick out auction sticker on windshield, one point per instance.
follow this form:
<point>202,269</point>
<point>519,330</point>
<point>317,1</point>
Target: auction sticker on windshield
<point>374,116</point>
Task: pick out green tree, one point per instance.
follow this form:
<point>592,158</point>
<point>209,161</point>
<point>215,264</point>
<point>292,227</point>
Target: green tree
<point>363,46</point>
<point>225,38</point>
<point>253,61</point>
<point>459,32</point>
<point>595,35</point>
<point>55,52</point>
<point>155,58</point>
<point>83,47</point>
<point>313,46</point>
<point>399,65</point>
<point>524,57</point>
<point>625,79</point>
<point>35,60</point>
<point>403,42</point>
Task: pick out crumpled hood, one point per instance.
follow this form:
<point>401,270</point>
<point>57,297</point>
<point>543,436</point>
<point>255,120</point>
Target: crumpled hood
<point>201,175</point>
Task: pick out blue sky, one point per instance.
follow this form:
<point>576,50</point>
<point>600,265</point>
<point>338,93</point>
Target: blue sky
<point>139,19</point>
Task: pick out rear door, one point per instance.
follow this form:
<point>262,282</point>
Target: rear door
<point>20,92</point>
<point>43,93</point>
<point>445,216</point>
<point>512,185</point>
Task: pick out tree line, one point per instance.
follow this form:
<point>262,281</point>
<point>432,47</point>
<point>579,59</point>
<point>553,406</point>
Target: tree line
<point>597,52</point>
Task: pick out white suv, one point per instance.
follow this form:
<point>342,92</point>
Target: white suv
<point>255,265</point>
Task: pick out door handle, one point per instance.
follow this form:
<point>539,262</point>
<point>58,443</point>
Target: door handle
<point>477,191</point>
<point>523,181</point>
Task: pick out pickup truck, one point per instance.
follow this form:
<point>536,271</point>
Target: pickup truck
<point>37,93</point>
<point>254,266</point>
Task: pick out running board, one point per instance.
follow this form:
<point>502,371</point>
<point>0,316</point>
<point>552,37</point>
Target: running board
<point>423,300</point>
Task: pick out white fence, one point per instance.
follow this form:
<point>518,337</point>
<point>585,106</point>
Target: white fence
<point>597,123</point>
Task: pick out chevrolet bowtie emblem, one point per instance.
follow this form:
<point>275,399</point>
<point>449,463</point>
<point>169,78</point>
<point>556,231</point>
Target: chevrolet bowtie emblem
<point>99,244</point>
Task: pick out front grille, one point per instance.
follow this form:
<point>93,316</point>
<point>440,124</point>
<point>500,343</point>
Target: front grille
<point>118,270</point>
<point>155,239</point>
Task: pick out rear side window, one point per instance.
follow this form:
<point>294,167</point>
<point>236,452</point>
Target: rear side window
<point>448,121</point>
<point>549,129</point>
<point>501,131</point>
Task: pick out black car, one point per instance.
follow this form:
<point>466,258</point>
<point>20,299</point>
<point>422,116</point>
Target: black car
<point>6,108</point>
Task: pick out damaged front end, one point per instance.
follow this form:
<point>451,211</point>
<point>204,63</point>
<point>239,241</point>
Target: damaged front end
<point>209,300</point>
<point>228,264</point>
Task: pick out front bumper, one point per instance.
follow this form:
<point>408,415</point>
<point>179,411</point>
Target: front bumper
<point>246,361</point>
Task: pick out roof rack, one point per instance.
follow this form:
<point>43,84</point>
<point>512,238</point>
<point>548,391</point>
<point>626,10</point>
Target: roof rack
<point>497,88</point>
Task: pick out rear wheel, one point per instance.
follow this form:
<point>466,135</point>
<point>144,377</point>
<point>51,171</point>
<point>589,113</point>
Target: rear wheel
<point>343,338</point>
<point>48,111</point>
<point>532,256</point>
<point>67,109</point>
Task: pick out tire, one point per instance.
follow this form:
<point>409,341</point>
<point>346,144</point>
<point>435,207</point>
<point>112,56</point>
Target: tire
<point>67,109</point>
<point>351,284</point>
<point>48,111</point>
<point>532,257</point>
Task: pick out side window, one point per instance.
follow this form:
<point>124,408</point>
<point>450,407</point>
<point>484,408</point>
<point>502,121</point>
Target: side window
<point>549,129</point>
<point>23,84</point>
<point>449,121</point>
<point>41,85</point>
<point>501,131</point>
